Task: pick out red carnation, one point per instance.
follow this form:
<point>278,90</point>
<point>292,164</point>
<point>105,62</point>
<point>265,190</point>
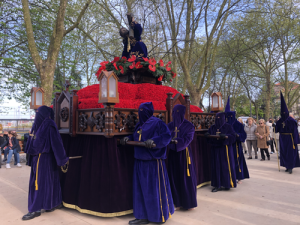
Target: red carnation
<point>169,63</point>
<point>152,61</point>
<point>115,65</point>
<point>104,63</point>
<point>145,59</point>
<point>98,73</point>
<point>160,78</point>
<point>168,68</point>
<point>122,69</point>
<point>124,57</point>
<point>116,59</point>
<point>174,74</point>
<point>132,58</point>
<point>138,65</point>
<point>171,80</point>
<point>161,62</point>
<point>152,68</point>
<point>132,65</point>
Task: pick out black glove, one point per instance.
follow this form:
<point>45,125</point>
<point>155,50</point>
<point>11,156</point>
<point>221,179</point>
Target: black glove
<point>206,134</point>
<point>222,136</point>
<point>124,140</point>
<point>149,143</point>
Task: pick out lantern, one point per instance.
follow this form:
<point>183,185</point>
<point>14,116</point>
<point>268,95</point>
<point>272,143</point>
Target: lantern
<point>37,97</point>
<point>108,87</point>
<point>217,104</point>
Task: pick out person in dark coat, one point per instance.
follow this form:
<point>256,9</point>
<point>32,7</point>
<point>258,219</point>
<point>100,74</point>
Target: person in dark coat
<point>152,197</point>
<point>288,139</point>
<point>181,167</point>
<point>241,169</point>
<point>2,140</point>
<point>13,147</point>
<point>26,137</point>
<point>46,153</point>
<point>4,145</point>
<point>222,159</point>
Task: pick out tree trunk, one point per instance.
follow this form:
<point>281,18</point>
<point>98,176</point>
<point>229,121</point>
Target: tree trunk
<point>268,96</point>
<point>47,83</point>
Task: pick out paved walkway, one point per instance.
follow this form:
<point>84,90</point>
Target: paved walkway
<point>269,197</point>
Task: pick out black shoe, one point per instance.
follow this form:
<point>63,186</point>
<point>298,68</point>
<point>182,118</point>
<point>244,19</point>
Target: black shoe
<point>226,189</point>
<point>262,160</point>
<point>57,207</point>
<point>268,157</point>
<point>290,171</point>
<point>137,221</point>
<point>215,190</point>
<point>250,158</point>
<point>31,215</point>
<point>286,170</point>
<point>255,157</point>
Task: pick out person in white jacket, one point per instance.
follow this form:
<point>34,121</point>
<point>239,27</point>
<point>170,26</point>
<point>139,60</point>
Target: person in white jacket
<point>269,124</point>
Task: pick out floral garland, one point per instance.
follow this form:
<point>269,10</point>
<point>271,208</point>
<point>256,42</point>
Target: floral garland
<point>122,65</point>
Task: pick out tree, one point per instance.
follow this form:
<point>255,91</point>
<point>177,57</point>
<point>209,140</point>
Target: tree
<point>46,66</point>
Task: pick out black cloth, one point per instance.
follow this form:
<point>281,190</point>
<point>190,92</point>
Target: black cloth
<point>26,137</point>
<point>2,140</point>
<point>272,143</point>
<point>5,142</point>
<point>15,143</point>
<point>262,150</point>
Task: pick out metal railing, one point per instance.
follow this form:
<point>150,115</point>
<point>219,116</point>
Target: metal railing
<point>18,125</point>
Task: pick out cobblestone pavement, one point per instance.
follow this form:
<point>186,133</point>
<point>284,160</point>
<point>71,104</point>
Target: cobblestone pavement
<point>268,197</point>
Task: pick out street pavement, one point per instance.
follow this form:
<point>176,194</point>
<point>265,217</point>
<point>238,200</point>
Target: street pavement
<point>268,197</point>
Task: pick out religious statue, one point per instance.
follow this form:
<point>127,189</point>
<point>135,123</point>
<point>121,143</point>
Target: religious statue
<point>133,44</point>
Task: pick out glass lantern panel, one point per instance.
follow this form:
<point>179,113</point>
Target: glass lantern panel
<point>104,87</point>
<point>220,101</point>
<point>215,101</point>
<point>39,98</point>
<point>112,87</point>
<point>32,98</point>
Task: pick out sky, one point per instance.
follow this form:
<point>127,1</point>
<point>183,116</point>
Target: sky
<point>13,110</point>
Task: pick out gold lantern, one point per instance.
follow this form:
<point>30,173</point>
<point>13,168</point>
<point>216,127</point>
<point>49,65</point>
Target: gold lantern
<point>37,97</point>
<point>217,103</point>
<point>108,87</point>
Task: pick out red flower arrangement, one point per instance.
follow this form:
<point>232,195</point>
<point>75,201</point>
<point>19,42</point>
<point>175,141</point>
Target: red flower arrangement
<point>120,66</point>
<point>131,96</point>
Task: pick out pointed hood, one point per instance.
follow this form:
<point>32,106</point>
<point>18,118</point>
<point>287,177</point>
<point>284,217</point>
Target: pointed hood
<point>220,120</point>
<point>230,115</point>
<point>41,114</point>
<point>227,108</point>
<point>284,109</point>
<point>178,115</point>
<point>146,110</point>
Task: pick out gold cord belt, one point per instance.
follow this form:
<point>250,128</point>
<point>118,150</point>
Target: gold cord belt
<point>162,214</point>
<point>291,137</point>
<point>37,173</point>
<point>229,167</point>
<point>188,161</point>
<point>237,154</point>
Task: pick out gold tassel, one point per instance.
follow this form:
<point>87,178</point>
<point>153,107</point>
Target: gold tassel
<point>188,172</point>
<point>170,216</point>
<point>37,173</point>
<point>229,167</point>
<point>190,160</point>
<point>237,153</point>
<point>163,219</point>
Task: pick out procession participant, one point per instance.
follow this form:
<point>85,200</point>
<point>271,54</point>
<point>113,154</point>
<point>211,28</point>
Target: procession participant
<point>133,45</point>
<point>288,139</point>
<point>222,159</point>
<point>241,169</point>
<point>152,198</point>
<point>181,168</point>
<point>46,153</point>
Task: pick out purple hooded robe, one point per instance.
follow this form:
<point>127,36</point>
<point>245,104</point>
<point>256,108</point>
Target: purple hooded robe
<point>181,167</point>
<point>288,138</point>
<point>222,159</point>
<point>46,153</point>
<point>152,198</point>
<point>241,169</point>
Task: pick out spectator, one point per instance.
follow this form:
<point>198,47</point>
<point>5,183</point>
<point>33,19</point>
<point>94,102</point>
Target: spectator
<point>269,124</point>
<point>13,147</point>
<point>26,137</point>
<point>251,138</point>
<point>298,123</point>
<point>276,136</point>
<point>5,143</point>
<point>262,133</point>
<point>2,140</point>
<point>243,143</point>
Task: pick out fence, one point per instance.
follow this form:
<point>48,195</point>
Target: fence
<point>18,125</point>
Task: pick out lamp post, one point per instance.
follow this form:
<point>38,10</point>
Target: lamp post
<point>217,103</point>
<point>109,96</point>
<point>37,97</point>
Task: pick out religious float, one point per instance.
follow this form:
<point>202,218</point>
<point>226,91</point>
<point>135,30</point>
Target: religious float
<point>91,121</point>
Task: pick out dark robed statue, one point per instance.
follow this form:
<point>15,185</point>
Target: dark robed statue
<point>241,169</point>
<point>46,153</point>
<point>181,167</point>
<point>133,44</point>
